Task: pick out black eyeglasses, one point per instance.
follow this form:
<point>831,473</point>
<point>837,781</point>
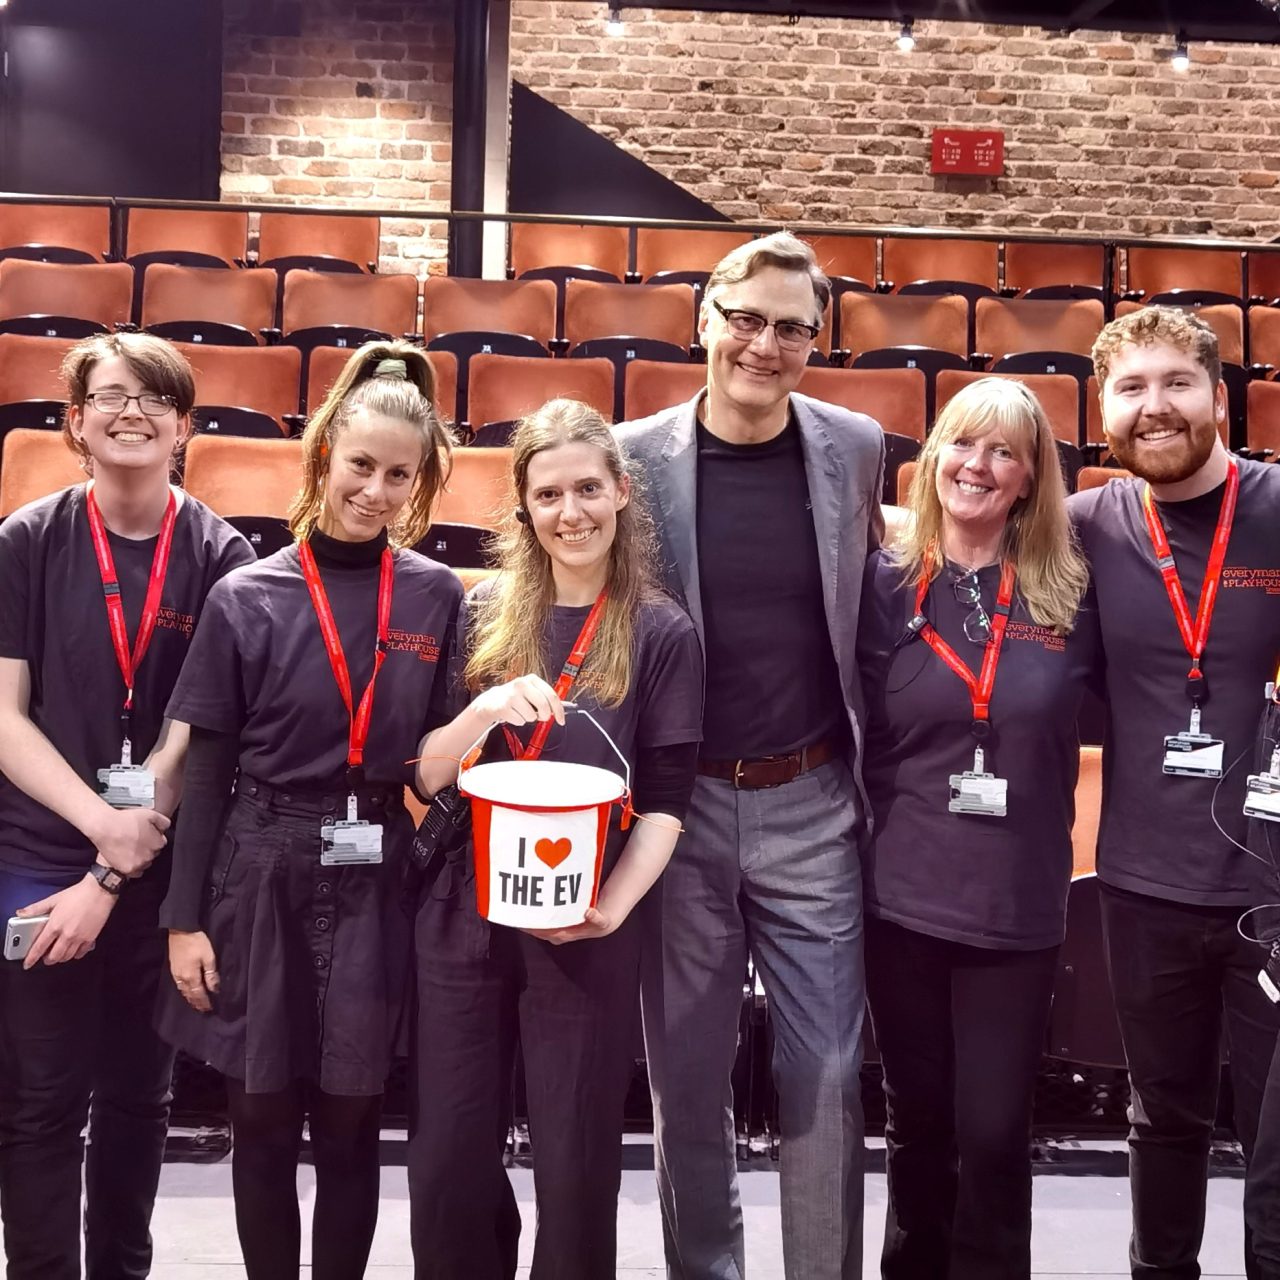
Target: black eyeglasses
<point>152,405</point>
<point>746,325</point>
<point>977,626</point>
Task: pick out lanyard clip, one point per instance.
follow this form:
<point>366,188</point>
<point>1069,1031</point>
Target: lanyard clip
<point>981,729</point>
<point>355,777</point>
<point>1197,686</point>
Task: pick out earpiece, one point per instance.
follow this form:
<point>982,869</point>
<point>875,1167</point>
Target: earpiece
<point>522,515</point>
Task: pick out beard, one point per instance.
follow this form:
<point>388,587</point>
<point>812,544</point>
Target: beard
<point>1171,463</point>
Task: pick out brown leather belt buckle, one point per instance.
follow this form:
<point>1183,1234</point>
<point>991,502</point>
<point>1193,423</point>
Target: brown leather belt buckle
<point>769,771</point>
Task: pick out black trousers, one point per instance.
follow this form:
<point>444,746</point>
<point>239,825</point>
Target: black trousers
<point>77,1040</point>
<point>1177,971</point>
<point>960,1031</point>
<point>574,1010</point>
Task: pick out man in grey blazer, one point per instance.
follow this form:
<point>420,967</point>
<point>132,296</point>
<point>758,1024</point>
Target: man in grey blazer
<point>767,504</point>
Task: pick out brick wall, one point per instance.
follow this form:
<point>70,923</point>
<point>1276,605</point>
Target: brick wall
<point>339,103</point>
<point>827,121</point>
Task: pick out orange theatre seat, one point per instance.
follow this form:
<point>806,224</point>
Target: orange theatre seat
<point>34,464</point>
<point>186,237</point>
<point>205,305</point>
<point>922,265</point>
<point>63,300</point>
<point>496,317</point>
<point>55,232</point>
<point>666,255</point>
<point>479,489</point>
<point>249,483</point>
<point>1094,437</point>
<point>502,389</point>
<point>1264,277</point>
<point>906,332</point>
<point>1096,477</point>
<point>245,391</point>
<point>1207,276</point>
<point>1046,269</point>
<point>625,322</point>
<point>1038,335</point>
<point>319,241</point>
<point>1264,339</point>
<point>31,388</point>
<point>1264,419</point>
<point>323,309</point>
<point>655,385</point>
<point>849,259</point>
<point>559,250</point>
<point>327,363</point>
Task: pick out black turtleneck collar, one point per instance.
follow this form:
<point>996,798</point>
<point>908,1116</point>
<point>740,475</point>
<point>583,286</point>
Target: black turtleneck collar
<point>346,555</point>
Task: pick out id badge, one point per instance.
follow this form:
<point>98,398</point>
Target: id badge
<point>1193,755</point>
<point>976,791</point>
<point>345,844</point>
<point>1262,797</point>
<point>128,786</point>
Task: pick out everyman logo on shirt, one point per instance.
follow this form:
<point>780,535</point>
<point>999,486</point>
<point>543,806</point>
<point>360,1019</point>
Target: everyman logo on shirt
<point>1045,636</point>
<point>426,647</point>
<point>172,620</point>
<point>1267,580</point>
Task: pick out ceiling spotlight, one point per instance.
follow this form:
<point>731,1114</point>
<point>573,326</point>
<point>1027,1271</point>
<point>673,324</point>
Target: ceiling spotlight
<point>614,25</point>
<point>1180,58</point>
<point>906,37</point>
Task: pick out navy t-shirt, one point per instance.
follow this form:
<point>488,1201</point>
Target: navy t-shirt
<point>772,682</point>
<point>985,881</point>
<point>53,617</point>
<point>662,708</point>
<point>258,668</point>
<point>1158,834</point>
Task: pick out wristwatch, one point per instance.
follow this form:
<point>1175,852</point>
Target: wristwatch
<point>108,877</point>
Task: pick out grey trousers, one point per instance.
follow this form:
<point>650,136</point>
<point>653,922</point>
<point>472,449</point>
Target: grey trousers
<point>773,874</point>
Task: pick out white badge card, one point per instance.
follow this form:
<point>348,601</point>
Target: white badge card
<point>128,786</point>
<point>978,792</point>
<point>1262,797</point>
<point>1193,754</point>
<point>350,843</point>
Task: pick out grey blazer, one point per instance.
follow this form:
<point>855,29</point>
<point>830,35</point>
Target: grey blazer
<point>844,461</point>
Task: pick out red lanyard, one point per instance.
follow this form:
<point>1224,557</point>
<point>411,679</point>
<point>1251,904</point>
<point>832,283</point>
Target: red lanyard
<point>564,682</point>
<point>130,662</point>
<point>1194,638</point>
<point>359,717</point>
<point>980,689</point>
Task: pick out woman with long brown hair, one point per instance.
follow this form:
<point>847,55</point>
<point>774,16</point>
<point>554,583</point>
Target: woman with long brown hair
<point>975,646</point>
<point>576,573</point>
<point>310,681</point>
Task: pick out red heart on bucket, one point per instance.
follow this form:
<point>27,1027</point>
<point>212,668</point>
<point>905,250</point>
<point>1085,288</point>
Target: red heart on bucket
<point>553,852</point>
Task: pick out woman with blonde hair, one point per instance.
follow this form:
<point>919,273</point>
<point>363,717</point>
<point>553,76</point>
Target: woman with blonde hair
<point>976,644</point>
<point>576,576</point>
<point>311,679</point>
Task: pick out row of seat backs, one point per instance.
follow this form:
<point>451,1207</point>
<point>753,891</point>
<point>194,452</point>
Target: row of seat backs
<point>84,233</point>
<point>895,261</point>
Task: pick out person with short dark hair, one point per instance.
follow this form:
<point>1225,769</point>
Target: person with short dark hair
<point>311,680</point>
<point>976,643</point>
<point>101,586</point>
<point>767,503</point>
<point>1185,556</point>
<point>577,585</point>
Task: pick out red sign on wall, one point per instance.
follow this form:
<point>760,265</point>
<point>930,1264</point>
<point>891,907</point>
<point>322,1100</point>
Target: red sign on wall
<point>968,151</point>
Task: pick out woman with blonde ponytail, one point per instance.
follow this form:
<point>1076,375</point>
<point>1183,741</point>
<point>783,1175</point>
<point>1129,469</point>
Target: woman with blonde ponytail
<point>577,550</point>
<point>976,640</point>
<point>311,678</point>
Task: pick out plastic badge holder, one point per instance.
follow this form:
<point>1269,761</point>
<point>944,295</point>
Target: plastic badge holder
<point>128,786</point>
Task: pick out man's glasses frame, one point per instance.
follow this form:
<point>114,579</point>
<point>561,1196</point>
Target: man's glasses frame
<point>792,335</point>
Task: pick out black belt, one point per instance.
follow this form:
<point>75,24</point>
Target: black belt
<point>305,802</point>
<point>770,771</point>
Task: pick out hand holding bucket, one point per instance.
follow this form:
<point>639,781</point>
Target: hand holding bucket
<point>539,829</point>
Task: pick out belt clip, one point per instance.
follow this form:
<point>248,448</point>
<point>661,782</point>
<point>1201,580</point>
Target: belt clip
<point>737,775</point>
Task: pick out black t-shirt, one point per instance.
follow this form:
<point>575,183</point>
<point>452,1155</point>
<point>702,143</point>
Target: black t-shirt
<point>772,682</point>
<point>662,708</point>
<point>1158,835</point>
<point>985,881</point>
<point>258,668</point>
<point>53,617</point>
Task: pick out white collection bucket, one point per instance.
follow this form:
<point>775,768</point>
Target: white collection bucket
<point>539,829</point>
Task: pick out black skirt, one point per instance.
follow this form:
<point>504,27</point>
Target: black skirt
<point>312,960</point>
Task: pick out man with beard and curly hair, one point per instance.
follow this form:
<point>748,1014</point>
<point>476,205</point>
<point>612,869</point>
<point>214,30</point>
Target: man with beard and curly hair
<point>1186,560</point>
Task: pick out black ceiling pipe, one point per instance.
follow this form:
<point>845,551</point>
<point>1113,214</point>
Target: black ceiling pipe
<point>470,86</point>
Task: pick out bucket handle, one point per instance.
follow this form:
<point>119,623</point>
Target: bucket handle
<point>568,706</point>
